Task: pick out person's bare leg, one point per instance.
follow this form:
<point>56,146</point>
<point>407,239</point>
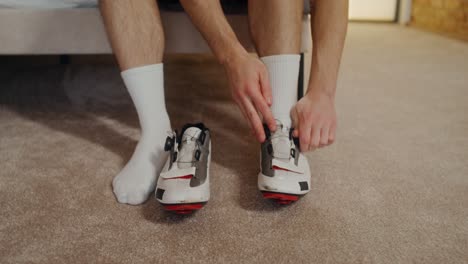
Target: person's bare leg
<point>136,35</point>
<point>135,31</point>
<point>276,26</point>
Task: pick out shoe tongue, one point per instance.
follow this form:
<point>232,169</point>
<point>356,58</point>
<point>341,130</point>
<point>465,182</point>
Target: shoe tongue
<point>191,133</point>
<point>186,153</point>
<point>281,144</point>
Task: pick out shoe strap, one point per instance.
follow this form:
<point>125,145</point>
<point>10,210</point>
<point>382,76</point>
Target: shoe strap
<point>178,172</point>
<point>278,164</point>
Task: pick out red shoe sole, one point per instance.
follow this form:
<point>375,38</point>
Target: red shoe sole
<point>183,209</point>
<point>281,198</point>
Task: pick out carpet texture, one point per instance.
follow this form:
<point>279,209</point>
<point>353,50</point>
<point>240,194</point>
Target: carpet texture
<point>392,189</point>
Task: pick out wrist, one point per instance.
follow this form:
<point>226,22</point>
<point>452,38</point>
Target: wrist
<point>230,55</point>
<point>316,90</point>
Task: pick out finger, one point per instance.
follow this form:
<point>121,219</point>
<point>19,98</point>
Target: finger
<point>324,132</point>
<point>265,110</point>
<point>295,121</point>
<point>331,134</point>
<point>266,87</point>
<point>314,138</point>
<point>296,133</point>
<point>244,113</point>
<point>304,134</point>
<point>254,119</point>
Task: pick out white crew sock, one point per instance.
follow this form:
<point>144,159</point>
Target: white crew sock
<point>137,179</point>
<point>283,72</point>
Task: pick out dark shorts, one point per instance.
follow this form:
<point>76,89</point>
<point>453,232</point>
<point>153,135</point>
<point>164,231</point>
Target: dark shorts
<point>229,6</point>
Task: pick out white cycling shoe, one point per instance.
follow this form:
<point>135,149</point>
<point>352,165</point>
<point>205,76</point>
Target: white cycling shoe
<point>285,173</point>
<point>184,183</point>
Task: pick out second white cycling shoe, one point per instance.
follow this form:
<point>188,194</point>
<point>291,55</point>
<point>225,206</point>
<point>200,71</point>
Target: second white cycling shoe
<point>184,183</point>
<point>285,173</point>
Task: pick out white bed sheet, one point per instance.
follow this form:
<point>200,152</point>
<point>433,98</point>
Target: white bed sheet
<point>47,4</point>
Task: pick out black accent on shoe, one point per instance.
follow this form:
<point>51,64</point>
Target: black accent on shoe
<point>304,186</point>
<point>270,149</point>
<point>293,153</point>
<point>159,193</point>
<point>267,131</point>
<point>300,79</point>
<point>202,137</point>
<point>296,142</point>
<point>169,143</point>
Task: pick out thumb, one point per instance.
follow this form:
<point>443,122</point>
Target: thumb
<point>295,121</point>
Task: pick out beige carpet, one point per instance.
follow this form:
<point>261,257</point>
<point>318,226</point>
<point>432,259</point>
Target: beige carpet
<point>392,189</point>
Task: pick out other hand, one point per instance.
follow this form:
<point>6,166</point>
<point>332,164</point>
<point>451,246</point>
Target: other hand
<point>314,117</point>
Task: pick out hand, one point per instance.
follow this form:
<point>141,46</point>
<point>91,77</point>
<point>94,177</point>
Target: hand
<point>314,117</point>
<point>250,87</point>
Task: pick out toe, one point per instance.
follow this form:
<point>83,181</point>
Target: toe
<point>121,197</point>
<point>137,197</point>
<point>120,192</point>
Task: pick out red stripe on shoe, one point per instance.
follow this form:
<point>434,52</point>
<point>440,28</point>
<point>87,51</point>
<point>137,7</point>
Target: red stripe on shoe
<point>190,176</point>
<point>279,168</point>
<point>280,196</point>
<point>284,169</point>
<point>183,207</point>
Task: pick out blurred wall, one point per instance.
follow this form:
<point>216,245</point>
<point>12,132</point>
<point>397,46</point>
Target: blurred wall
<point>373,10</point>
<point>449,17</point>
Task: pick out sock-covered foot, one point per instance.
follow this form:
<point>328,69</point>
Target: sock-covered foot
<point>137,179</point>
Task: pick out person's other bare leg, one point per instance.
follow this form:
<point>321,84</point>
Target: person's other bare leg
<point>276,26</point>
<point>135,31</point>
